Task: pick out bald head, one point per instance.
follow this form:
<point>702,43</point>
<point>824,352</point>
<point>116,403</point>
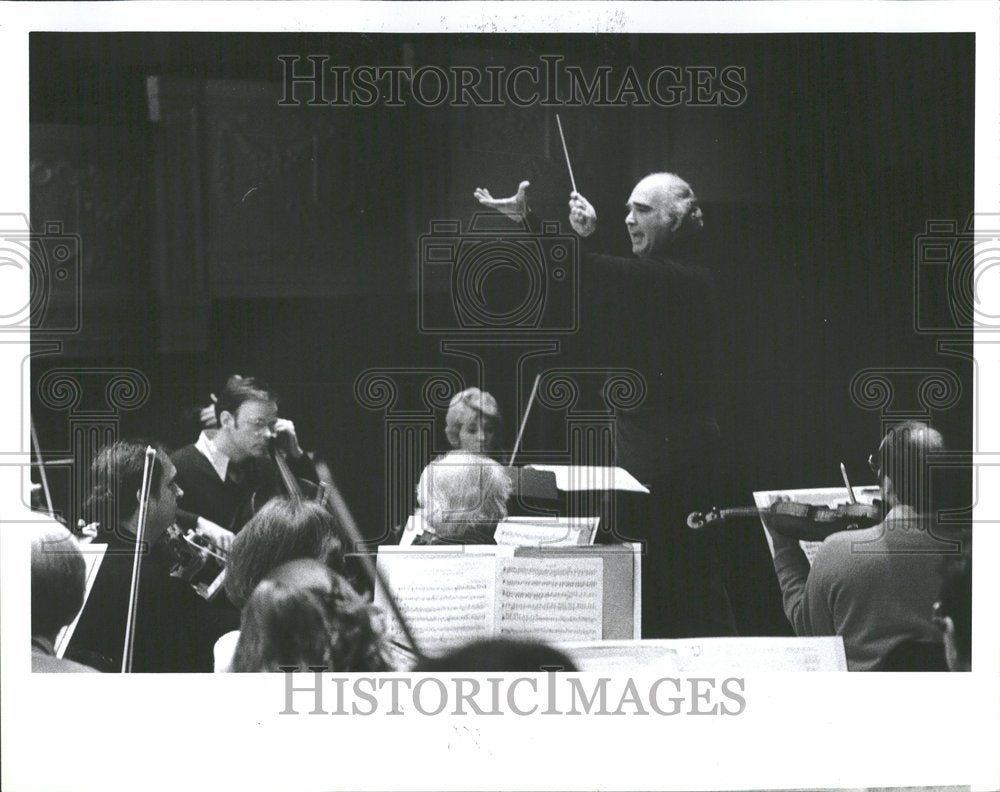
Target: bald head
<point>661,209</point>
<point>904,456</point>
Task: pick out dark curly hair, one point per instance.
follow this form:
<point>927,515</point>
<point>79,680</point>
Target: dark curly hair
<point>304,616</point>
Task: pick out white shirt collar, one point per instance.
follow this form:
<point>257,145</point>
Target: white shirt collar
<point>206,445</point>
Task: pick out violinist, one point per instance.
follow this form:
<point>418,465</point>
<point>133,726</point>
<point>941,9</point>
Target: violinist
<point>231,467</point>
<point>876,586</point>
<point>171,629</point>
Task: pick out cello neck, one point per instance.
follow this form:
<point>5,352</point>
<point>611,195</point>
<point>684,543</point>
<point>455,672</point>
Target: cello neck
<point>288,479</point>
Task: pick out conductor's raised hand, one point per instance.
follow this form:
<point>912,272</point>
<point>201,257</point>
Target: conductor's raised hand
<point>515,207</point>
<point>582,216</point>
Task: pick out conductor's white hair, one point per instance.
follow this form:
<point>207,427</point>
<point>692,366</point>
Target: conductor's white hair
<point>462,491</point>
<point>682,203</point>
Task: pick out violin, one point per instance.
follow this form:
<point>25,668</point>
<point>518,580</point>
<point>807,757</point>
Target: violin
<point>804,521</point>
<point>196,561</point>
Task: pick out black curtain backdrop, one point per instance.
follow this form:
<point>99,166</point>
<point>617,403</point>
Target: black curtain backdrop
<point>223,233</point>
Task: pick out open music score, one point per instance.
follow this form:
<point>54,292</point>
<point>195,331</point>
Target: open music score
<point>452,595</point>
<point>547,531</point>
<point>820,496</point>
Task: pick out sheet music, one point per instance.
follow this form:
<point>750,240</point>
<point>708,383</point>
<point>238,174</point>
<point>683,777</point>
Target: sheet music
<point>583,478</point>
<point>93,555</point>
<point>549,531</point>
<point>819,496</point>
<point>711,655</point>
<point>446,604</point>
<point>550,598</point>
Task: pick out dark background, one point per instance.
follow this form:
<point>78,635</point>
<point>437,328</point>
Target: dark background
<point>222,233</point>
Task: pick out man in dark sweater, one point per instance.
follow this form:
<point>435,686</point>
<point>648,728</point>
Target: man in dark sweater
<point>229,471</point>
<point>654,315</point>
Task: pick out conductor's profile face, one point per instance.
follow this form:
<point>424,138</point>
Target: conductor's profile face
<point>252,427</point>
<point>649,221</point>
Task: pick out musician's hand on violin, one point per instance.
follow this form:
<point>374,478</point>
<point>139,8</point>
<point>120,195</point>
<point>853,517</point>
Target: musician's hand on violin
<point>286,437</point>
<point>515,207</point>
<point>215,534</point>
<point>582,215</point>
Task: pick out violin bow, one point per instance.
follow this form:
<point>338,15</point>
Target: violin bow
<point>524,420</point>
<point>41,471</point>
<point>133,595</point>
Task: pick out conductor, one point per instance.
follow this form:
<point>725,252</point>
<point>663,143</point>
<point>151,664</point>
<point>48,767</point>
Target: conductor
<point>655,314</point>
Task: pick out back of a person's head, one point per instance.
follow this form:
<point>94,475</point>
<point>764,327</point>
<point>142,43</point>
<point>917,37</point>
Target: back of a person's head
<point>115,480</point>
<point>283,530</point>
<point>499,655</point>
<point>57,579</point>
<point>304,616</point>
<point>239,389</point>
<point>464,495</point>
<point>905,457</point>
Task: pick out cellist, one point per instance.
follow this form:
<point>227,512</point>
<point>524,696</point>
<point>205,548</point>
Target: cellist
<point>171,631</point>
<point>230,466</point>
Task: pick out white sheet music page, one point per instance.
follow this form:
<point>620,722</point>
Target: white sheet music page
<point>548,531</point>
<point>445,594</point>
<point>551,599</point>
<point>584,478</point>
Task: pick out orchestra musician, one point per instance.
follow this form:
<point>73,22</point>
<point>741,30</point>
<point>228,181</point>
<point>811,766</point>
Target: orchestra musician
<point>58,583</point>
<point>462,496</point>
<point>305,616</point>
<point>876,587</point>
<point>283,530</point>
<point>173,632</point>
<point>655,314</point>
<point>229,471</point>
<point>473,422</point>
